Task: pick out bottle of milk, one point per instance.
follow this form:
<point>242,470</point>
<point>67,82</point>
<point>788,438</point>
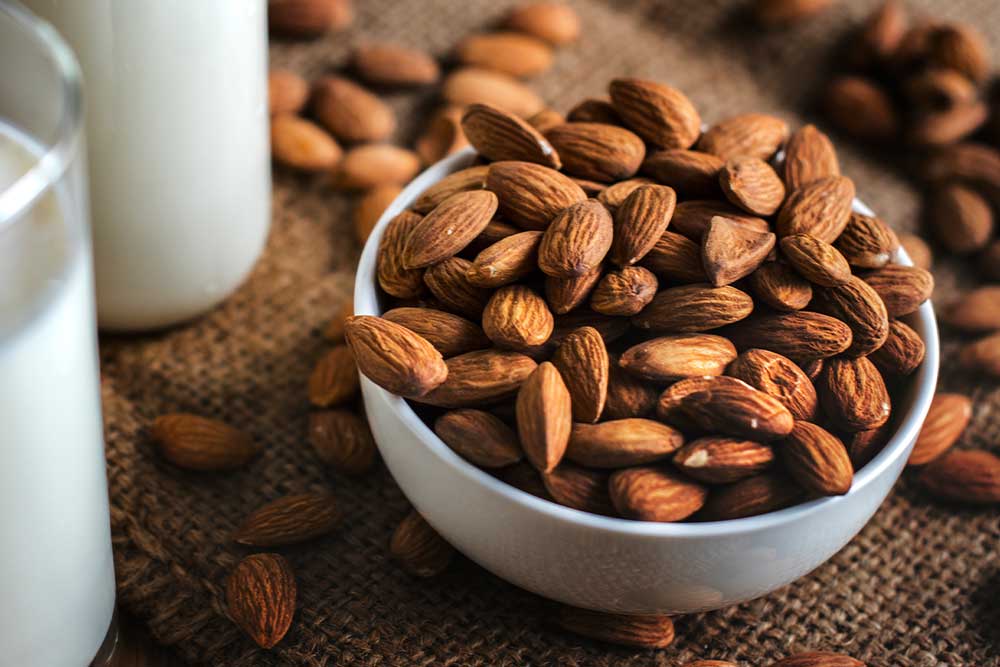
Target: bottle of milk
<point>177,136</point>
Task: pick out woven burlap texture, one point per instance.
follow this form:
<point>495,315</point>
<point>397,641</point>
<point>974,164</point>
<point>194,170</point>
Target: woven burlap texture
<point>917,588</point>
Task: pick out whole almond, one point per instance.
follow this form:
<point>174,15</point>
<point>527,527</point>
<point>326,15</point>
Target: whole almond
<point>730,251</point>
<point>737,409</point>
<point>576,241</point>
<point>670,358</point>
<point>621,443</point>
<point>449,282</point>
<point>753,496</point>
<point>470,178</point>
<point>307,18</point>
<point>387,64</point>
<point>946,126</point>
<point>861,108</point>
<point>450,334</point>
<point>579,488</point>
<point>342,440</point>
<point>565,294</point>
<point>982,355</point>
<point>821,209</point>
<point>777,376</point>
<point>627,395</point>
<point>651,631</point>
<point>978,310</point>
<point>939,88</point>
<point>442,136</point>
<point>866,242</point>
<point>393,277</point>
<point>480,378</point>
<point>261,597</point>
<point>862,446</point>
<point>800,335</point>
<point>722,460</point>
<point>615,194</point>
<point>901,353</point>
<point>334,331</point>
<point>640,222</point>
<point>474,85</point>
<point>853,394</point>
<point>809,156</point>
<point>582,361</point>
<point>961,218</point>
<point>946,419</point>
<point>670,404</point>
<point>506,261</point>
<point>394,357</point>
<point>882,31</point>
<point>301,144</point>
<point>555,22</point>
<point>334,378</point>
<point>753,185</point>
<point>544,417</point>
<point>693,308</point>
<point>479,437</point>
<point>818,262</point>
<point>512,53</point>
<point>499,135</point>
<point>817,460</point>
<point>418,548</point>
<point>748,135</point>
<point>451,226</point>
<point>350,112</point>
<point>964,476</point>
<point>968,162</point>
<point>371,165</point>
<point>370,207</point>
<point>694,174</point>
<point>287,92</point>
<point>961,47</point>
<point>531,195</point>
<point>781,288</point>
<point>902,288</point>
<point>655,494</point>
<point>546,119</point>
<point>691,218</point>
<point>675,257</point>
<point>289,520</point>
<point>658,113</point>
<point>597,151</point>
<point>198,443</point>
<point>516,317</point>
<point>860,307</point>
<point>594,110</point>
<point>818,659</point>
<point>624,292</point>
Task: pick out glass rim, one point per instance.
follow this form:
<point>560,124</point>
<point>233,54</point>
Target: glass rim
<point>49,167</point>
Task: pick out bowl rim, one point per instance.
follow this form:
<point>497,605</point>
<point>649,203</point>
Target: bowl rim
<point>925,379</point>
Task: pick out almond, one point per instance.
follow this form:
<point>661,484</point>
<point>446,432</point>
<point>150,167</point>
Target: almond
<point>307,18</point>
<point>902,288</point>
<point>711,663</point>
<point>753,496</point>
<point>862,446</point>
<point>859,107</point>
<point>809,157</point>
<point>371,165</point>
<point>516,317</point>
<point>615,194</point>
<point>287,92</point>
<point>691,218</point>
<point>675,257</point>
<point>261,597</point>
<point>624,292</point>
<point>946,419</point>
<point>471,178</point>
<point>582,361</point>
<point>546,119</point>
<point>730,251</point>
<point>693,308</point>
<point>751,184</point>
<point>749,135</point>
<point>694,174</point>
<point>781,288</point>
<point>442,136</point>
<point>821,209</point>
<point>393,277</point>
<point>779,12</point>
<point>499,135</point>
<point>597,151</point>
<point>965,476</point>
<point>939,88</point>
<point>670,404</point>
<point>576,241</point>
<point>418,549</point>
<point>301,144</point>
<point>627,395</point>
<point>946,126</point>
<point>531,195</point>
<point>722,460</point>
<point>859,306</point>
<point>737,409</point>
<point>544,417</point>
<point>621,443</point>
<point>554,22</point>
<point>961,218</point>
<point>524,478</point>
<point>866,242</point>
<point>480,378</point>
<point>473,85</point>
<point>507,52</point>
<point>334,331</point>
<point>970,163</point>
<point>449,282</point>
<point>779,377</point>
<point>342,440</point>
<point>883,30</point>
<point>652,631</point>
<point>289,520</point>
<point>334,378</point>
<point>386,64</point>
<point>901,353</point>
<point>565,294</point>
<point>918,251</point>
<point>594,110</point>
<point>479,437</point>
<point>350,112</point>
<point>817,460</point>
<point>977,310</point>
<point>655,494</point>
<point>818,659</point>
<point>370,207</point>
<point>670,358</point>
<point>394,357</point>
<point>506,261</point>
<point>962,48</point>
<point>197,443</point>
<point>640,222</point>
<point>579,488</point>
<point>982,355</point>
<point>451,226</point>
<point>496,230</point>
<point>818,262</point>
<point>449,334</point>
<point>853,394</point>
<point>658,113</point>
<point>801,335</point>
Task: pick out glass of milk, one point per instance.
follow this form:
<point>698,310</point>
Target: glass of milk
<point>57,582</point>
<point>178,145</point>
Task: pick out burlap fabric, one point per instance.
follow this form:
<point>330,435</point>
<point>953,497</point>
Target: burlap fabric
<point>918,587</point>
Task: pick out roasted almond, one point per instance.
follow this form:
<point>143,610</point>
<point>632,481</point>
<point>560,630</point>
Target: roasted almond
<point>961,218</point>
<point>658,113</point>
<point>750,135</point>
<point>198,443</point>
<point>372,165</point>
<point>289,520</point>
<point>334,378</point>
<point>479,378</point>
<point>370,207</point>
<point>654,631</point>
<point>451,226</point>
<point>531,195</point>
<point>781,288</point>
<point>902,288</point>
<point>301,144</point>
<point>853,394</point>
<point>582,361</point>
<point>978,310</point>
<point>901,353</point>
<point>579,488</point>
<point>861,108</point>
<point>670,358</point>
<point>621,443</point>
<point>859,306</point>
<point>387,64</point>
<point>964,476</point>
<point>722,460</point>
<point>627,395</point>
<point>777,376</point>
<point>471,178</point>
<point>946,419</point>
<point>350,112</point>
<point>449,282</point>
<point>512,53</point>
<point>640,222</point>
<point>818,659</point>
<point>449,334</point>
<point>394,357</point>
<point>737,409</point>
<point>817,460</point>
<point>342,440</point>
<point>418,548</point>
<point>753,185</point>
<point>479,437</point>
<point>474,85</point>
<point>576,241</point>
<point>655,494</point>
<point>675,257</point>
<point>691,218</point>
<point>730,251</point>
<point>565,294</point>
<point>694,174</point>
<point>506,261</point>
<point>261,597</point>
<point>624,292</point>
<point>693,308</point>
<point>753,496</point>
<point>800,335</point>
<point>821,209</point>
<point>544,417</point>
<point>500,135</point>
<point>809,157</point>
<point>818,262</point>
<point>597,151</point>
<point>516,317</point>
<point>554,22</point>
<point>866,242</point>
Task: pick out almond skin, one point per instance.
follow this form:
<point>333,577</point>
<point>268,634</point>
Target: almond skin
<point>474,85</point>
<point>506,261</point>
<point>730,252</point>
<point>371,165</point>
<point>516,317</point>
<point>261,596</point>
<point>582,361</point>
<point>670,358</point>
<point>901,353</point>
<point>809,157</point>
<point>579,488</point>
<point>450,334</point>
<point>289,520</point>
<point>777,376</point>
<point>693,174</point>
<point>640,222</point>
<point>670,404</point>
<point>903,288</point>
<point>853,394</point>
<point>801,335</point>
<point>386,64</point>
<point>554,22</point>
<point>859,306</point>
<point>334,379</point>
<point>818,262</point>
<point>675,257</point>
<point>637,631</point>
<point>544,417</point>
<point>751,184</point>
<point>197,443</point>
<point>655,494</point>
<point>964,476</point>
<point>451,226</point>
<point>747,135</point>
<point>867,242</point>
<point>693,308</point>
<point>597,151</point>
<point>691,218</point>
<point>627,395</point>
<point>624,292</point>
<point>821,209</point>
<point>471,178</point>
<point>722,460</point>
<point>479,437</point>
<point>737,409</point>
<point>531,195</point>
<point>615,194</point>
<point>594,110</point>
<point>862,446</point>
<point>576,241</point>
<point>496,230</point>
<point>752,496</point>
<point>818,659</point>
<point>781,288</point>
<point>499,135</point>
<point>817,460</point>
<point>947,418</point>
<point>301,144</point>
<point>862,109</point>
<point>394,357</point>
<point>565,294</point>
<point>343,441</point>
<point>350,112</point>
<point>512,53</point>
<point>480,377</point>
<point>449,282</point>
<point>658,113</point>
<point>418,548</point>
<point>621,443</point>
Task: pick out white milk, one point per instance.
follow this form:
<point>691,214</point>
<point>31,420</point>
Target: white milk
<point>177,137</point>
<point>57,586</point>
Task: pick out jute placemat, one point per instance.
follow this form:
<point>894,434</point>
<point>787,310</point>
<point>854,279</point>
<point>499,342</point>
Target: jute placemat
<point>918,587</point>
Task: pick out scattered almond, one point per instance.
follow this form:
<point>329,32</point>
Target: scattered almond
<point>261,597</point>
<point>289,520</point>
<point>947,418</point>
<point>197,443</point>
<point>418,548</point>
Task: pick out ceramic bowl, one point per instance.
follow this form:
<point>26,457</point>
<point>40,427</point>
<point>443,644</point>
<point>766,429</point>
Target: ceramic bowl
<point>613,564</point>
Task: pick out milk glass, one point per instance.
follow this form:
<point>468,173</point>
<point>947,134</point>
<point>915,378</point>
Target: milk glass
<point>57,585</point>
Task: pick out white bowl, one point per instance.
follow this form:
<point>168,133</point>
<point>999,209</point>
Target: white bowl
<point>612,564</point>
